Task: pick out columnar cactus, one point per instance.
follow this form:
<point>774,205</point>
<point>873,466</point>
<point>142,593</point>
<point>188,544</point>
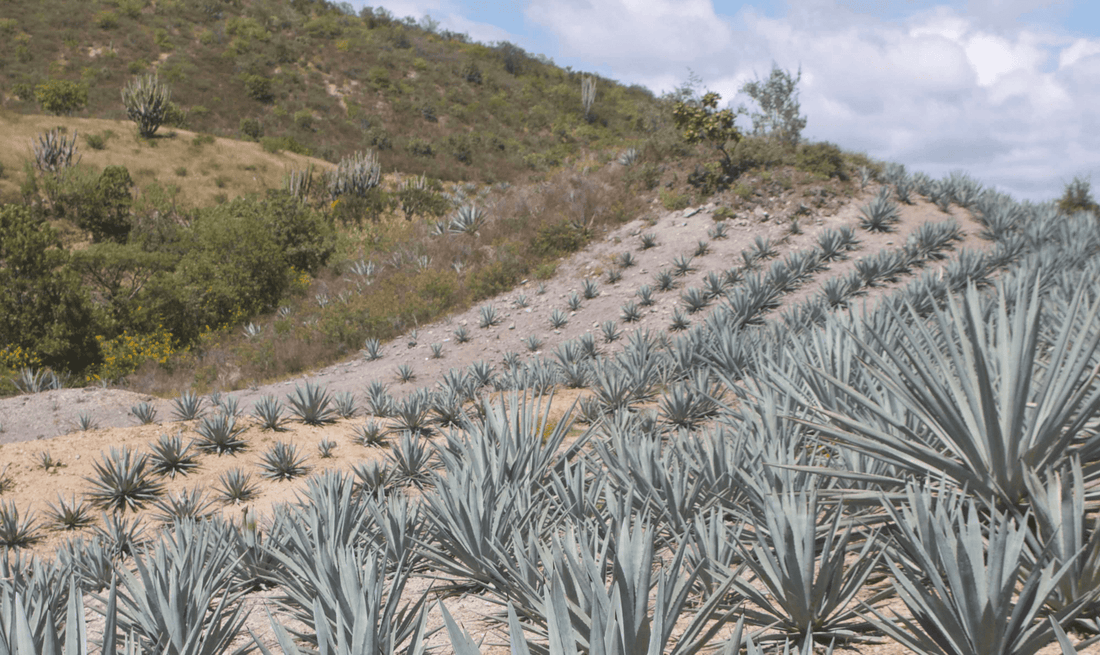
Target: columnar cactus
<point>356,175</point>
<point>146,101</point>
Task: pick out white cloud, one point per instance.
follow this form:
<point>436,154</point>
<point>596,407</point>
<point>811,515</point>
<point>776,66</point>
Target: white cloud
<point>937,91</point>
<point>450,17</point>
<point>624,30</point>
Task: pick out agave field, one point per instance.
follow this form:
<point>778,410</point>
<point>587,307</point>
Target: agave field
<point>921,473</point>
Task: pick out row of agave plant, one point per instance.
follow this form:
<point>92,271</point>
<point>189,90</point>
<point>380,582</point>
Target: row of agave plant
<point>940,450</point>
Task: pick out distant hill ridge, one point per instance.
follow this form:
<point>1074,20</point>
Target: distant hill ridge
<point>316,78</point>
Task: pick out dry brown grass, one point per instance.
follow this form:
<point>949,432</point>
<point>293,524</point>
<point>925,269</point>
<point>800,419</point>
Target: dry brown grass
<point>225,166</point>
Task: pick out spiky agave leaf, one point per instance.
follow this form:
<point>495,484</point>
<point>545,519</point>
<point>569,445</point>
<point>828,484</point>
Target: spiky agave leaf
<point>170,456</point>
<point>180,597</point>
<point>236,487</point>
<point>976,406</point>
<point>16,532</point>
<point>282,462</point>
<point>810,590</point>
<point>187,407</point>
<point>184,505</point>
<point>220,435</point>
<point>966,596</point>
<point>122,482</point>
<point>72,515</point>
<point>269,411</point>
<point>311,404</point>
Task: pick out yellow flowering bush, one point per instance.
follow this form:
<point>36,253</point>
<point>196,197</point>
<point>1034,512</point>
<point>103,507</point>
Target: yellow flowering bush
<point>126,352</point>
<point>16,357</point>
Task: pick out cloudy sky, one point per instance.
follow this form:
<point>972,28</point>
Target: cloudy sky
<point>1007,90</point>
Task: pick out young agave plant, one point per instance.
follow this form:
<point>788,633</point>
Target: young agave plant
<point>405,373</point>
<point>626,259</point>
<point>282,462</point>
<point>16,532</point>
<point>532,342</point>
<point>371,433</point>
<point>171,457</point>
<point>488,317</point>
<point>236,487</point>
<point>648,240</point>
<point>462,334</point>
<point>614,275</point>
<point>437,350</point>
<point>719,231</point>
<point>574,302</point>
<point>412,459</point>
<point>325,448</point>
<point>645,296</point>
<point>694,300</point>
<point>664,280</point>
<point>379,401</point>
<point>764,248</point>
<point>590,288</point>
<point>679,321</point>
<point>809,588</point>
<point>880,214</point>
<point>220,435</point>
<point>611,331</point>
<point>558,319</point>
<point>144,413</point>
<point>345,404</point>
<point>187,407</point>
<point>682,265</point>
<point>185,505</point>
<point>122,482</point>
<point>311,405</point>
<point>269,411</point>
<point>372,349</point>
<point>631,312</point>
<point>702,248</point>
<point>72,515</point>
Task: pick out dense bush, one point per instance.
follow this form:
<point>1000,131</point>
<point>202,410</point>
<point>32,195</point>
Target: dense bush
<point>559,239</point>
<point>823,158</point>
<point>61,96</point>
<point>43,309</point>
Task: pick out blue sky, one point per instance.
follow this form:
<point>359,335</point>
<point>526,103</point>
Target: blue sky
<point>1007,90</point>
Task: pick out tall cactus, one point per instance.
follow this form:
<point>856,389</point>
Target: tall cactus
<point>588,94</point>
<point>146,101</point>
<point>299,183</point>
<point>356,175</point>
<point>54,152</point>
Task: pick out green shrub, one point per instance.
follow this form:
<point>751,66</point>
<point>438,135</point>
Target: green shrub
<point>259,88</point>
<point>23,90</point>
<point>496,278</point>
<point>44,309</point>
<point>759,152</point>
<point>61,96</point>
<point>251,128</point>
<point>304,119</point>
<point>275,144</point>
<point>722,213</point>
<point>106,20</point>
<point>96,141</point>
<point>98,204</point>
<point>379,77</point>
<point>823,158</point>
<point>673,201</point>
<point>557,239</point>
<point>1078,198</point>
<point>418,147</point>
<point>236,267</point>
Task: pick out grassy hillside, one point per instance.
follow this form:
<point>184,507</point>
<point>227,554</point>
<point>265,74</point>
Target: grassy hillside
<point>202,169</point>
<point>305,76</point>
<point>154,253</point>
